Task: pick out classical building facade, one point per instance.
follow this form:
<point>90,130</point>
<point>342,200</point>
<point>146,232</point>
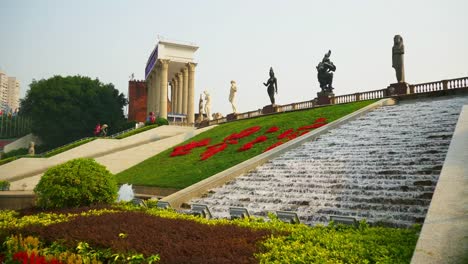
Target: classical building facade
<point>170,80</point>
<point>9,93</point>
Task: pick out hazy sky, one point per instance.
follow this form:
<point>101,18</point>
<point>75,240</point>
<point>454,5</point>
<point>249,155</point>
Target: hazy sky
<point>239,40</point>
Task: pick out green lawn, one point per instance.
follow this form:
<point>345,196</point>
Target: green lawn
<point>182,171</point>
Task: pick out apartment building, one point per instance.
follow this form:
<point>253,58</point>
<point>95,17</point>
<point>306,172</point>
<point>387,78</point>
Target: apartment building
<point>9,92</point>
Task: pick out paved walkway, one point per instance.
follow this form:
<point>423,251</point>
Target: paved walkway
<point>117,160</point>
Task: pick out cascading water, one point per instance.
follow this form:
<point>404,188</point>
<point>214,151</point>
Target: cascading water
<point>382,167</point>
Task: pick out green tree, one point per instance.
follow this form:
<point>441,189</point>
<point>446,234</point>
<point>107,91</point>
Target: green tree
<point>64,109</point>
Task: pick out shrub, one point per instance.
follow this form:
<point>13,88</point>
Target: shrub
<point>161,121</point>
<point>4,185</point>
<point>78,182</point>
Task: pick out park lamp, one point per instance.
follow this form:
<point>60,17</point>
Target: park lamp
<point>344,220</point>
<point>288,217</point>
<point>238,213</point>
<point>201,210</point>
<point>163,205</point>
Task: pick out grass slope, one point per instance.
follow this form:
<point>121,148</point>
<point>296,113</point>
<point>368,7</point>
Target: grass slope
<point>182,171</point>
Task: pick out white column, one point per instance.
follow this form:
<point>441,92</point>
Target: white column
<point>163,89</point>
<point>172,97</point>
<point>184,77</point>
<point>176,88</point>
<point>179,93</point>
<point>191,93</point>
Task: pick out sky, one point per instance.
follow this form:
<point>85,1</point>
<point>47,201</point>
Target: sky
<point>239,40</point>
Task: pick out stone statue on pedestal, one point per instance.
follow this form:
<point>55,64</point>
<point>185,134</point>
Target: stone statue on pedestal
<point>31,150</point>
<point>272,86</point>
<point>397,58</point>
<point>325,71</point>
<point>200,109</point>
<point>232,95</point>
<point>207,105</point>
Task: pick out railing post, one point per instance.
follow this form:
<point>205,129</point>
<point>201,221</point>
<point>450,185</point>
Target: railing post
<point>445,84</point>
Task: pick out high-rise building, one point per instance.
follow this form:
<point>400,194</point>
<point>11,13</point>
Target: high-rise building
<point>9,93</point>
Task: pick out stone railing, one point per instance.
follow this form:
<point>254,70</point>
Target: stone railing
<point>439,86</point>
<point>348,98</point>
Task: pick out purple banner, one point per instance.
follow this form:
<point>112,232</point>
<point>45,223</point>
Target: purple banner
<point>151,62</point>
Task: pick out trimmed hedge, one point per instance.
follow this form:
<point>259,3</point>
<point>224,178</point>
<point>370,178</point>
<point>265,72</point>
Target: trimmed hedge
<point>78,182</point>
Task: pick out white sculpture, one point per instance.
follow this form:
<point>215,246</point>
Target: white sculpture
<point>200,109</point>
<point>207,105</point>
<point>232,95</point>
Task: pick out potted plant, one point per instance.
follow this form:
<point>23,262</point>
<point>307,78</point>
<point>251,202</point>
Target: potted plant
<point>4,186</point>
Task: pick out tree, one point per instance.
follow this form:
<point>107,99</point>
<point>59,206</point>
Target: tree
<point>64,109</point>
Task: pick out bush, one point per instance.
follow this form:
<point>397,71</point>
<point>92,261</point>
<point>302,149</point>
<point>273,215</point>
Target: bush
<point>78,182</point>
<point>4,185</point>
<point>161,121</point>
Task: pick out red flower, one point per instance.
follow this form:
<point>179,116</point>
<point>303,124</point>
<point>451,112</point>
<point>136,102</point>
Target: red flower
<point>246,146</point>
<point>232,141</point>
<point>304,132</point>
<point>185,149</point>
<point>244,133</point>
<point>250,144</point>
<point>313,126</point>
<point>272,129</point>
<point>211,150</point>
<point>273,146</point>
<point>285,133</point>
<point>320,120</point>
<point>292,136</point>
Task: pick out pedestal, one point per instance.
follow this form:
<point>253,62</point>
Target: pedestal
<point>231,117</point>
<point>398,89</point>
<point>204,123</point>
<point>269,109</point>
<point>324,98</point>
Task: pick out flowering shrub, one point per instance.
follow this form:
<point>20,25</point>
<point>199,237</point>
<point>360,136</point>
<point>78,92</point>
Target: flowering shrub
<point>285,133</point>
<point>273,146</point>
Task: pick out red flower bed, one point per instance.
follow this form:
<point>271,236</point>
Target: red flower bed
<point>285,133</point>
<point>24,258</point>
<point>211,150</point>
<point>250,144</point>
<point>185,149</point>
<point>273,146</point>
<point>244,133</point>
<point>272,129</point>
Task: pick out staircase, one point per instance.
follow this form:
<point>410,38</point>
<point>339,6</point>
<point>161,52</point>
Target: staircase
<point>382,167</point>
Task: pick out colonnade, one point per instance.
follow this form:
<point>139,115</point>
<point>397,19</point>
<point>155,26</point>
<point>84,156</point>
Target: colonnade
<point>182,85</point>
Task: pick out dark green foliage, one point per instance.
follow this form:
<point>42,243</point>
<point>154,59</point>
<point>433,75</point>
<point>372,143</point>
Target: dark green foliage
<point>122,127</point>
<point>161,121</point>
<point>78,182</point>
<point>64,109</point>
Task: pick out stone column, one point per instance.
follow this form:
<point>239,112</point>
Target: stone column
<point>179,93</point>
<point>176,88</point>
<point>191,93</point>
<point>163,89</point>
<point>174,91</point>
<point>172,97</point>
<point>157,88</point>
<point>184,76</point>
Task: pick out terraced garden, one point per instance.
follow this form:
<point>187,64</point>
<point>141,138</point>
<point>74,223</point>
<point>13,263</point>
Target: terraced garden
<point>227,145</point>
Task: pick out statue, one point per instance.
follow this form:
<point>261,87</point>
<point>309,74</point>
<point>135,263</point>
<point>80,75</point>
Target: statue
<point>325,71</point>
<point>200,109</point>
<point>397,58</point>
<point>232,95</point>
<point>31,150</point>
<point>272,86</point>
<point>207,105</point>
<point>217,116</point>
